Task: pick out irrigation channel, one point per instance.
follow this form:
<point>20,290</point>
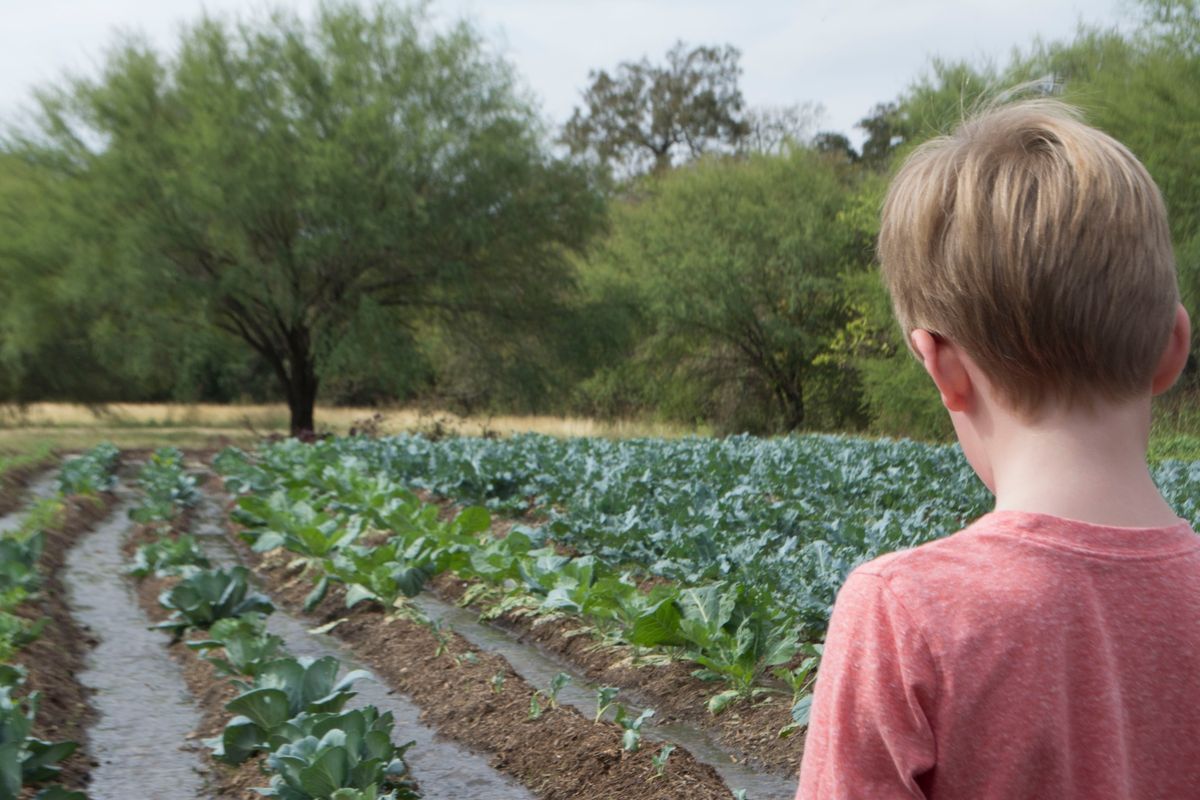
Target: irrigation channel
<point>532,663</point>
<point>443,769</point>
<point>145,710</point>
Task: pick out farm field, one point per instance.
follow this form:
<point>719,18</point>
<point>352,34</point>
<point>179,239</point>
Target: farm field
<point>401,617</point>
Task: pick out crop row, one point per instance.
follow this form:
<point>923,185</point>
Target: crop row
<point>382,543</point>
<point>26,760</point>
<point>291,710</point>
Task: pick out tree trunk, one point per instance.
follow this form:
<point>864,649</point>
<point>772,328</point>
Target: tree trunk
<point>301,384</point>
<point>301,403</point>
<point>791,401</point>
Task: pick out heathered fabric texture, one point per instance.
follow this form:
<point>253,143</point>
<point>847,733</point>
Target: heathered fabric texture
<point>1027,656</point>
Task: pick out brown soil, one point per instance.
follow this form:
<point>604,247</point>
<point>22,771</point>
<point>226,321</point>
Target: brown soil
<point>209,688</point>
<point>14,482</point>
<point>59,655</point>
<point>749,729</point>
<point>560,756</point>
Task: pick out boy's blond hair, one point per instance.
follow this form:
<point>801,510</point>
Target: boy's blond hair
<point>1040,246</point>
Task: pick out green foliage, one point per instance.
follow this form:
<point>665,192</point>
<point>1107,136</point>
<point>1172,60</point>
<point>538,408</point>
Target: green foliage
<point>738,266</point>
<point>166,487</point>
<point>244,644</point>
<point>37,454</point>
<point>631,727</point>
<point>24,759</point>
<point>388,160</point>
<point>638,118</point>
<point>344,763</point>
<point>282,690</point>
<point>204,597</point>
<point>91,472</point>
<point>168,556</point>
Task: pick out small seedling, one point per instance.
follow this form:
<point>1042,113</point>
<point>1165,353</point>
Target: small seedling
<point>660,761</point>
<point>556,685</point>
<point>631,738</point>
<point>605,696</point>
<point>437,628</point>
<point>534,707</point>
<point>550,695</point>
<point>498,682</point>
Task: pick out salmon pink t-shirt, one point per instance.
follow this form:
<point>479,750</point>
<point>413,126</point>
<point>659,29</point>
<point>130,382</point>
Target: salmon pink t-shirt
<point>1027,656</point>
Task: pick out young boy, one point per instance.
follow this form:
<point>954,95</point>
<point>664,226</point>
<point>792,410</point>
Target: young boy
<point>1052,648</point>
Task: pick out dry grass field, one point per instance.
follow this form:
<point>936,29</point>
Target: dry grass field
<point>69,426</point>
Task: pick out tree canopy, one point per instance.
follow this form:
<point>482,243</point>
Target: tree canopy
<point>273,176</point>
<point>644,115</point>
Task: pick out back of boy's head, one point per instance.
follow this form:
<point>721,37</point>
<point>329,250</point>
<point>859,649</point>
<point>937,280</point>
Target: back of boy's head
<point>1040,246</point>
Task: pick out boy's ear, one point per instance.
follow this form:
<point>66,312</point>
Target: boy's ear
<point>944,362</point>
<point>1175,354</point>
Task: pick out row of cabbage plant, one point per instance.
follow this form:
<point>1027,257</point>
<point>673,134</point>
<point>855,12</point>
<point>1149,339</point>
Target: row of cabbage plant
<point>291,710</point>
<point>26,760</point>
<point>383,543</point>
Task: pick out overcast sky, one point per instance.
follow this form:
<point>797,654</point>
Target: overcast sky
<point>846,55</point>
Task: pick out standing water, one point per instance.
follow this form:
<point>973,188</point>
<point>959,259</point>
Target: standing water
<point>145,710</point>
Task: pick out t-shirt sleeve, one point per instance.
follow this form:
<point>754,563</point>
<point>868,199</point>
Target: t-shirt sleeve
<point>869,734</point>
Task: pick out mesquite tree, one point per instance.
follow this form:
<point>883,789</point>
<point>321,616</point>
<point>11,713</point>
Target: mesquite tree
<point>272,174</point>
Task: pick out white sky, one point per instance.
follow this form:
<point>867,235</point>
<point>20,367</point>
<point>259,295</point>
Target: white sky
<point>847,55</point>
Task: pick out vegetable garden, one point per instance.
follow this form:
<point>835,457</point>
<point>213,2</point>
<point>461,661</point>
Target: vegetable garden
<point>404,617</point>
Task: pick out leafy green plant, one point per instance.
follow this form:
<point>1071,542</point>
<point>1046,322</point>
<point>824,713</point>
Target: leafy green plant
<point>166,487</point>
<point>91,473</point>
<point>204,597</point>
<point>660,760</point>
<point>25,760</point>
<point>605,697</point>
<point>344,763</point>
<point>281,690</point>
<point>291,520</point>
<point>381,574</point>
<point>631,727</point>
<point>244,643</point>
<point>801,680</point>
<point>167,556</point>
<point>550,696</point>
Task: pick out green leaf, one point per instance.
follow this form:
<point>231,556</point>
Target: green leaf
<point>720,701</point>
<point>318,593</point>
<point>474,519</point>
<point>658,626</point>
<point>327,774</point>
<point>240,740</point>
<point>266,708</point>
<point>357,593</point>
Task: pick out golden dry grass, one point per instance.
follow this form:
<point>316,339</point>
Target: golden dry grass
<point>73,426</point>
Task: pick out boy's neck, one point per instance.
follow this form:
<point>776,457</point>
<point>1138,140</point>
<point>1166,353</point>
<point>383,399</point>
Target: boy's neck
<point>1088,466</point>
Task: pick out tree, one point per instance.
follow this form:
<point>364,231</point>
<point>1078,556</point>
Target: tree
<point>642,115</point>
<point>271,177</point>
<point>775,129</point>
<point>739,265</point>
